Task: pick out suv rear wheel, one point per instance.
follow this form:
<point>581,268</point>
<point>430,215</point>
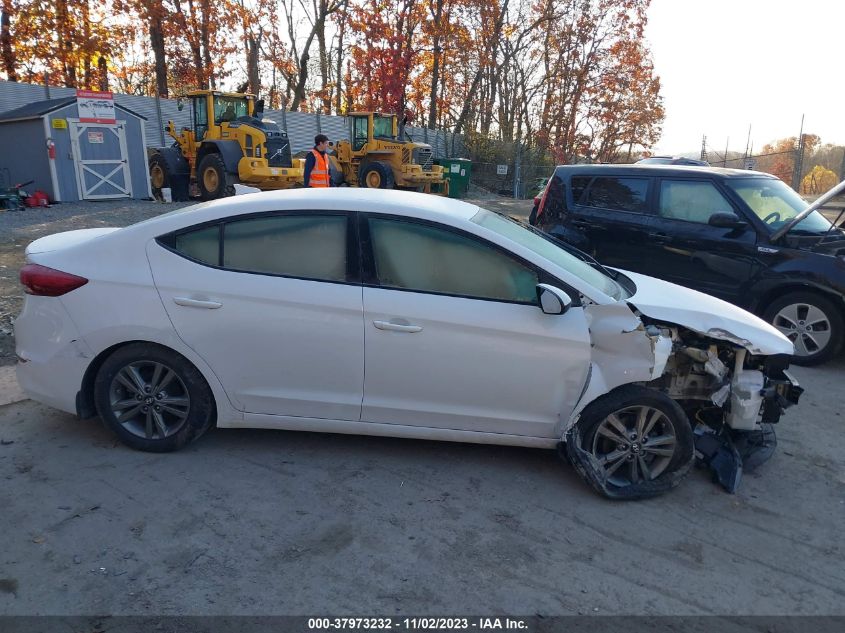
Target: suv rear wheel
<point>812,322</point>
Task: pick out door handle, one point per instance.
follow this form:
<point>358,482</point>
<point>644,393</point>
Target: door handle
<point>196,303</point>
<point>659,238</point>
<point>397,327</point>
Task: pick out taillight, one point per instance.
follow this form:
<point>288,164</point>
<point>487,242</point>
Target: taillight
<point>542,204</point>
<point>48,282</point>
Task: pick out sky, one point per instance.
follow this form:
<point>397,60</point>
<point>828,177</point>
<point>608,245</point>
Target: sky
<point>728,64</point>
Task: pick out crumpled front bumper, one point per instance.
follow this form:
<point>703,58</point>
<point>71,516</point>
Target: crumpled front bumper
<point>730,452</point>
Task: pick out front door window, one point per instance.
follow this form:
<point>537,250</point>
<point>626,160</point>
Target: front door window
<point>200,118</point>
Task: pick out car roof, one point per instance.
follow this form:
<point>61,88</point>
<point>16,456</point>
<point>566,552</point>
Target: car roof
<point>400,203</point>
<point>657,170</point>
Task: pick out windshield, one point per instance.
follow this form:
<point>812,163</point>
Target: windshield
<point>550,251</point>
<point>229,109</point>
<point>383,126</point>
<point>776,204</point>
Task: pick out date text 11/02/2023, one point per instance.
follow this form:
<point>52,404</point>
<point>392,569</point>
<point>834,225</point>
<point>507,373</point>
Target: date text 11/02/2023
<point>416,623</point>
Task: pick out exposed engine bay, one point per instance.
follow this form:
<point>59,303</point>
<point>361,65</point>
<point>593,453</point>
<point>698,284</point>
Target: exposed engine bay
<point>731,397</point>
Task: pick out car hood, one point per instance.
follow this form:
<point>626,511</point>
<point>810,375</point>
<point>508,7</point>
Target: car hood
<point>706,315</point>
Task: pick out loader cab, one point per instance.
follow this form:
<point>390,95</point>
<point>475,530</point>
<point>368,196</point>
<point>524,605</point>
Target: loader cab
<point>369,125</point>
<point>217,108</point>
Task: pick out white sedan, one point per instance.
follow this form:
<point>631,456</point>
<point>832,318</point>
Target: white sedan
<point>396,314</point>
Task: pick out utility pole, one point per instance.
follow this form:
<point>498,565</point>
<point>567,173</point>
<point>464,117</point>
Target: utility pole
<point>799,158</point>
<point>748,141</point>
<point>725,161</point>
<point>704,149</point>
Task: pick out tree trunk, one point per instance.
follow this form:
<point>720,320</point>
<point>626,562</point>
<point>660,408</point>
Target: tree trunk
<point>494,44</point>
<point>6,50</point>
<point>103,72</point>
<point>324,63</point>
<point>253,76</point>
<point>339,87</point>
<point>87,77</point>
<point>299,92</point>
<point>156,11</point>
<point>437,16</point>
<point>206,44</point>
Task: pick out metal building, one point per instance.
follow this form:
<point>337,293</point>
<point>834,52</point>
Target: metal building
<point>72,160</point>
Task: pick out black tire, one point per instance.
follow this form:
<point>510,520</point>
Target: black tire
<point>616,466</point>
<point>162,177</point>
<point>213,179</point>
<point>185,403</point>
<point>376,171</point>
<point>808,349</point>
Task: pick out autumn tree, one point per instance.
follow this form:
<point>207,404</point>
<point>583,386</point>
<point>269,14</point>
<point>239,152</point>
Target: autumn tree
<point>7,53</point>
<point>818,181</point>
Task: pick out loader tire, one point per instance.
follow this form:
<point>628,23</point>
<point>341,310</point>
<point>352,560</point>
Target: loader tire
<point>213,179</point>
<point>162,177</point>
<point>376,175</point>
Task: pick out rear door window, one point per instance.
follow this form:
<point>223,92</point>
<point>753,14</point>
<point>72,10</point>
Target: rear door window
<point>619,194</point>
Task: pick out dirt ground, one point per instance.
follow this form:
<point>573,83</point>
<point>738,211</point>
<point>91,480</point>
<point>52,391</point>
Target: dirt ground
<point>268,522</point>
<point>271,522</point>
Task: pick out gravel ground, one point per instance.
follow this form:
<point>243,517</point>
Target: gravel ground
<point>19,228</point>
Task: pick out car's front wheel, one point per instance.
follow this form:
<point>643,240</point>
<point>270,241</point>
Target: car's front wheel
<point>153,398</point>
<point>632,443</point>
<point>812,322</point>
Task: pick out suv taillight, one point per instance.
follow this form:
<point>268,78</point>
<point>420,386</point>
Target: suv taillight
<point>542,204</point>
<point>48,282</point>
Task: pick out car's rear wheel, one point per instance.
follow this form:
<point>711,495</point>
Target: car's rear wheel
<point>632,443</point>
<point>153,398</point>
<point>812,322</point>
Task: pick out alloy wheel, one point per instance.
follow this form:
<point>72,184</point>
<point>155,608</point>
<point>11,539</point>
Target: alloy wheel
<point>634,444</point>
<point>149,399</point>
<point>806,325</point>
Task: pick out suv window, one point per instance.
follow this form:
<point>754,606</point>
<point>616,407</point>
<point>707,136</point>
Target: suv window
<point>306,246</point>
<point>621,194</point>
<point>419,257</point>
<point>693,201</point>
<point>579,184</point>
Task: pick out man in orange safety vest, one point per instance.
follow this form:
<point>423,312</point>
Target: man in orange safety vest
<point>317,164</point>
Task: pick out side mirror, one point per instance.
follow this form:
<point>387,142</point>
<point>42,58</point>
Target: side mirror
<point>259,109</point>
<point>553,300</point>
<point>726,221</point>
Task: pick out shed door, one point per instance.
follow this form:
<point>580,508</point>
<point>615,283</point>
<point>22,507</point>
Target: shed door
<point>101,160</point>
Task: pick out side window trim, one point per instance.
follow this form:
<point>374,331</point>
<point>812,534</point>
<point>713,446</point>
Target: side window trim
<point>369,277</point>
<point>353,251</point>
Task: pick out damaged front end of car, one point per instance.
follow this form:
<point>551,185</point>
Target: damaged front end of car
<point>733,398</point>
<point>713,375</point>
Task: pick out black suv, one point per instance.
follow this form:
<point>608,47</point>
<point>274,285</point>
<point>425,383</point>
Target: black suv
<point>730,233</point>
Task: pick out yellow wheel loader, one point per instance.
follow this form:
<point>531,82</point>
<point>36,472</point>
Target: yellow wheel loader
<point>227,143</point>
<point>377,158</point>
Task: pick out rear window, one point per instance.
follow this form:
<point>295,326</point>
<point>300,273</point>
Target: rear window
<point>621,194</point>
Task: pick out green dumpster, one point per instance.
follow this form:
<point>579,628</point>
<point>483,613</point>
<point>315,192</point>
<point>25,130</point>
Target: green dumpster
<point>457,171</point>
